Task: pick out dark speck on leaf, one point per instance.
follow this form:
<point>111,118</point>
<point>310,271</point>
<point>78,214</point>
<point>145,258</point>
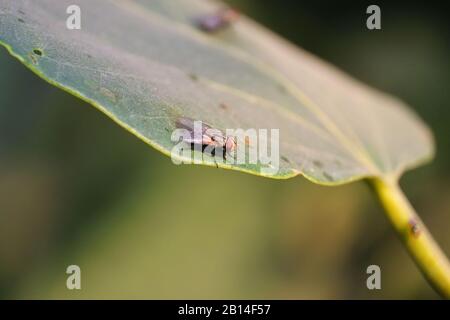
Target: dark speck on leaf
<point>414,227</point>
<point>317,163</point>
<point>328,176</point>
<point>223,106</point>
<point>193,76</point>
<point>20,20</point>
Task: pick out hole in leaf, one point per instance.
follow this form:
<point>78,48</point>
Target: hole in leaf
<point>37,52</point>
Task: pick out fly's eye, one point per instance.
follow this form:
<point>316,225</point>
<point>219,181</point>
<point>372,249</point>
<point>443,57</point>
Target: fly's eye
<point>230,15</point>
<point>206,139</point>
<point>230,144</point>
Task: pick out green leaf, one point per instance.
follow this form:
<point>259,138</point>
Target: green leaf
<point>146,63</point>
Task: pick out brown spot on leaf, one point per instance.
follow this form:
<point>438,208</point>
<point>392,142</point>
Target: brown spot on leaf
<point>109,94</point>
<point>223,106</point>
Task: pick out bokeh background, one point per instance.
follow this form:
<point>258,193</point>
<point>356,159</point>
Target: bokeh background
<point>77,189</point>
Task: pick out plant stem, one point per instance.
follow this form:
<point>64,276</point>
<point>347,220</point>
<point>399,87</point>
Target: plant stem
<point>417,239</point>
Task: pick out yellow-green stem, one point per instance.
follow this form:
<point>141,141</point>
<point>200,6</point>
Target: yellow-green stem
<point>417,239</point>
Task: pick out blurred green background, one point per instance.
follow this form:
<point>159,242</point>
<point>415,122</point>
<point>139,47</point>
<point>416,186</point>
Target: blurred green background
<point>77,189</point>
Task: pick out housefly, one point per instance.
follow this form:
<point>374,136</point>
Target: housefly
<point>206,137</point>
<point>217,21</point>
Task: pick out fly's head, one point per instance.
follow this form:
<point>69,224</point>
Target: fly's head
<point>230,144</point>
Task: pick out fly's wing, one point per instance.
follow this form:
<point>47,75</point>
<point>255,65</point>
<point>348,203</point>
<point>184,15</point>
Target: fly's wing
<point>185,123</point>
<point>216,135</point>
<point>189,124</point>
<point>193,140</point>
